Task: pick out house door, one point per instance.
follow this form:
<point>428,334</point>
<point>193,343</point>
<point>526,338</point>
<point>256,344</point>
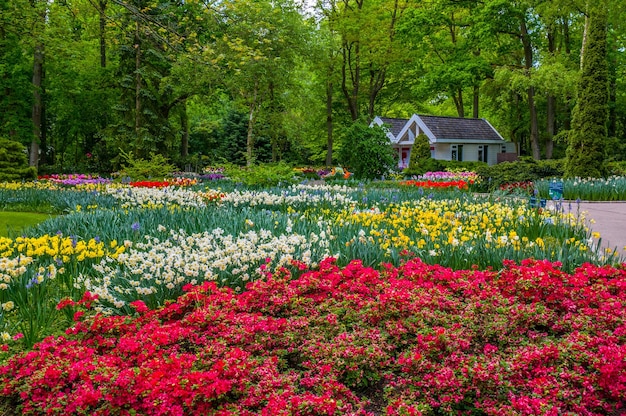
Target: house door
<point>404,161</point>
<point>483,156</point>
<point>457,152</point>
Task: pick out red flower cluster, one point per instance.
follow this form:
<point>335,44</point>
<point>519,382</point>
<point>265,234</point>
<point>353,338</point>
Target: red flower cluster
<point>150,184</point>
<point>436,184</point>
<point>529,339</point>
<point>526,187</point>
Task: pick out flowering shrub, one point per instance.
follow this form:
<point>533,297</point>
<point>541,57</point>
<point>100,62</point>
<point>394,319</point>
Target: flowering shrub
<point>529,339</point>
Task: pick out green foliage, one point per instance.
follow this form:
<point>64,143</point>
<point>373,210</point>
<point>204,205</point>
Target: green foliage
<point>524,170</point>
<point>617,168</point>
<point>461,166</point>
<point>366,151</point>
<point>270,174</point>
<point>426,165</point>
<point>421,161</point>
<point>138,169</point>
<point>14,162</point>
<point>586,153</point>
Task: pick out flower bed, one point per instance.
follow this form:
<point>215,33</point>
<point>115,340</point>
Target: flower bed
<point>428,184</point>
<point>156,240</point>
<point>529,339</point>
<point>74,179</point>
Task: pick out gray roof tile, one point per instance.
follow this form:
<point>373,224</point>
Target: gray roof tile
<point>460,128</point>
<point>396,124</point>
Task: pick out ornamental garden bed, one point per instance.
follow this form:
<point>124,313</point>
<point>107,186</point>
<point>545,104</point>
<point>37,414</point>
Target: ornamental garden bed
<point>196,298</point>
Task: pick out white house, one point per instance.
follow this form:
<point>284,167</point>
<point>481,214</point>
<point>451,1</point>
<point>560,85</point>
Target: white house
<point>451,138</point>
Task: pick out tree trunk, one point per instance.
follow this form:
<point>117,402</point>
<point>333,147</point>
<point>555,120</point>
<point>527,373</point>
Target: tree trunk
<point>102,14</point>
<point>137,80</point>
<point>584,43</point>
<point>351,67</point>
<point>551,125</point>
<point>612,100</point>
<point>457,97</point>
<point>251,119</point>
<point>475,112</point>
<point>376,84</point>
<point>184,125</point>
<point>37,104</point>
<point>528,63</point>
<point>329,123</point>
<point>550,102</point>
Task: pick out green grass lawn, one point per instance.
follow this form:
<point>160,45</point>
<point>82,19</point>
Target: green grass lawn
<point>12,223</point>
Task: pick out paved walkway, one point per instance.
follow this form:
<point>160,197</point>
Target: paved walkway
<point>606,218</point>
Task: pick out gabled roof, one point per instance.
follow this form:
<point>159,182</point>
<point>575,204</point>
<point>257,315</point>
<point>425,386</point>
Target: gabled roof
<point>456,128</point>
<point>396,124</point>
<point>440,129</point>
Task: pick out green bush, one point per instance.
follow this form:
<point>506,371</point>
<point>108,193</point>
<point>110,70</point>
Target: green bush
<point>367,152</point>
<point>421,160</point>
<point>617,168</point>
<point>139,169</point>
<point>14,162</point>
<point>462,166</point>
<point>261,175</point>
<point>523,170</point>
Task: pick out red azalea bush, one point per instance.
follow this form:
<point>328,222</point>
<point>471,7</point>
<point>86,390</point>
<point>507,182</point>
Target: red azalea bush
<point>529,339</point>
<point>436,184</point>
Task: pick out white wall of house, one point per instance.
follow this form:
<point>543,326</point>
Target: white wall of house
<point>472,152</point>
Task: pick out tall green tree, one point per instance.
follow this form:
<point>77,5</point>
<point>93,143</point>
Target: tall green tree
<point>367,151</point>
<point>39,12</point>
<point>586,152</point>
<point>444,45</point>
<point>15,69</point>
<point>369,46</point>
<point>255,50</point>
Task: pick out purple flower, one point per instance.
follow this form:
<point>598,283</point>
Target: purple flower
<point>135,226</point>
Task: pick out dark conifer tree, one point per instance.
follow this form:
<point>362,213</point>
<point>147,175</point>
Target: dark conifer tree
<point>586,152</point>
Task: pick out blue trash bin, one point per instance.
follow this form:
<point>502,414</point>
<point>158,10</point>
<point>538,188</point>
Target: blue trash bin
<point>556,190</point>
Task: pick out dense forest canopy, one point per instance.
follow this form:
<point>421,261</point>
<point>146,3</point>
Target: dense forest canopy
<point>206,81</point>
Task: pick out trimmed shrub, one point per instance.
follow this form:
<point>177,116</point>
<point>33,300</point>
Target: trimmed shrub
<point>367,151</point>
<point>524,170</point>
<point>586,152</point>
<point>270,174</point>
<point>14,162</point>
<point>140,169</point>
<point>461,166</point>
<point>421,160</point>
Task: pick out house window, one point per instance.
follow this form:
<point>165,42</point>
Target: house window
<point>504,148</point>
<point>482,153</point>
<point>457,152</point>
